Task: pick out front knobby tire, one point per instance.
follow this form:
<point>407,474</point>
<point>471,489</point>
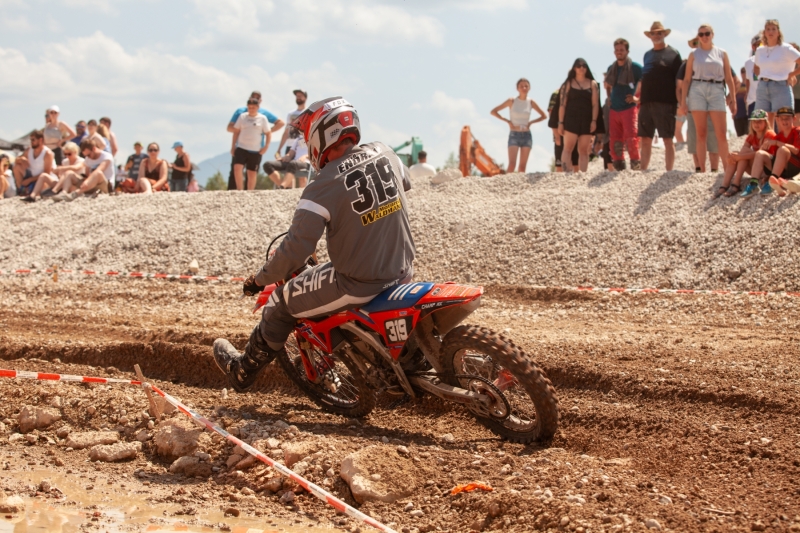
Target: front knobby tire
<point>353,399</point>
<point>479,351</point>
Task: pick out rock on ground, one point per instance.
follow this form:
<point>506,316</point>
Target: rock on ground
<point>31,418</point>
<point>178,437</point>
<point>191,466</point>
<point>395,477</point>
<point>294,452</point>
<point>111,453</point>
<point>87,439</point>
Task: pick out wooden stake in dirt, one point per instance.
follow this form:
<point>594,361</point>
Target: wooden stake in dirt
<point>154,411</point>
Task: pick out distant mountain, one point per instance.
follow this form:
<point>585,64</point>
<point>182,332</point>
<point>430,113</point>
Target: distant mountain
<point>222,163</point>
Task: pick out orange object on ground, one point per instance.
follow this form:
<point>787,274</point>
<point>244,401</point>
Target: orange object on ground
<point>471,152</point>
<point>469,487</point>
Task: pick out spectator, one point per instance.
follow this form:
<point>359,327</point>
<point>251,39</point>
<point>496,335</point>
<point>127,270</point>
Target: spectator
<point>707,69</point>
<point>112,138</point>
<point>796,93</point>
<point>578,113</point>
<point>740,117</point>
<point>783,158</point>
<point>691,132</point>
<point>37,160</point>
<point>134,160</point>
<point>291,133</point>
<point>48,184</point>
<point>294,161</point>
<point>249,132</point>
<point>553,108</point>
<point>193,185</point>
<point>750,78</point>
<point>608,161</point>
<point>8,188</point>
<point>423,168</point>
<point>95,136</point>
<point>98,171</point>
<point>72,162</point>
<point>56,132</point>
<point>777,64</point>
<point>80,129</point>
<point>742,161</point>
<point>623,83</point>
<point>153,172</point>
<point>659,103</point>
<point>181,168</point>
<point>276,125</point>
<point>520,139</point>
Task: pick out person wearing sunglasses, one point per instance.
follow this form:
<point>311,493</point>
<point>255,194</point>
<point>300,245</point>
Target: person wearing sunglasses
<point>777,65</point>
<point>153,172</point>
<point>579,117</point>
<point>358,201</point>
<point>708,71</point>
<point>72,163</point>
<point>81,133</point>
<point>623,82</point>
<point>56,132</point>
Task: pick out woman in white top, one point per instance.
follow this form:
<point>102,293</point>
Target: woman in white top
<point>56,132</point>
<point>6,178</point>
<point>520,139</point>
<point>776,66</point>
<point>703,93</point>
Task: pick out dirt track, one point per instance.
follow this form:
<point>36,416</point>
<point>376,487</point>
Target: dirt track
<point>678,409</point>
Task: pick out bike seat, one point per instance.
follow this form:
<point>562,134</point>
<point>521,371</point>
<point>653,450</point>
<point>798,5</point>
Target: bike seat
<point>398,297</point>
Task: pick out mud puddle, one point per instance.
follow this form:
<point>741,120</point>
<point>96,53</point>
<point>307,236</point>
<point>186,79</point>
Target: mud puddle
<point>71,508</point>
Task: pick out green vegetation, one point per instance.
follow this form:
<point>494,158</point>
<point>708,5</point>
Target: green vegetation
<point>218,182</point>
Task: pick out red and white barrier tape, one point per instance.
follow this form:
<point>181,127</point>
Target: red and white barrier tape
<point>159,275</point>
<point>317,491</point>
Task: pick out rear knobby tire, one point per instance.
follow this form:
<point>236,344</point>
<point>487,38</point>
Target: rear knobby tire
<point>354,399</point>
<point>533,400</point>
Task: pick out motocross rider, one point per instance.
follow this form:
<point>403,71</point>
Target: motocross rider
<point>358,197</point>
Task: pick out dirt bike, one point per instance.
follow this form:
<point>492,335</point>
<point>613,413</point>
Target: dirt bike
<point>408,341</point>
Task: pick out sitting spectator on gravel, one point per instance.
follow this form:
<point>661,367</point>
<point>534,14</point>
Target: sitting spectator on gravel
<point>153,172</point>
<point>293,162</point>
<point>48,184</point>
<point>623,81</point>
<point>94,135</point>
<point>422,169</point>
<point>290,133</point>
<point>37,160</point>
<point>784,155</point>
<point>248,144</point>
<point>80,129</point>
<point>7,185</point>
<point>181,168</point>
<point>741,161</point>
<point>129,185</point>
<point>777,64</point>
<point>98,171</point>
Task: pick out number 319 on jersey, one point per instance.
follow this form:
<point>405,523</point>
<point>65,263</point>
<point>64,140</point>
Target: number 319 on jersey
<point>397,330</point>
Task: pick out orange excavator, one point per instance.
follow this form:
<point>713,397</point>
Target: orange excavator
<point>472,153</point>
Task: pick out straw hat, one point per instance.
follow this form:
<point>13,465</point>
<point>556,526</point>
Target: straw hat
<point>657,26</point>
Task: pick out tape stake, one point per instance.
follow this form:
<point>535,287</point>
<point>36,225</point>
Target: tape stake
<point>316,490</point>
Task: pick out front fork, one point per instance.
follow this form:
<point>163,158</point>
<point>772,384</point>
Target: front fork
<point>315,373</point>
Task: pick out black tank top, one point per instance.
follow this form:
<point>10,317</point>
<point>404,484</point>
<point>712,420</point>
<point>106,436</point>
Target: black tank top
<point>179,174</point>
<point>152,174</point>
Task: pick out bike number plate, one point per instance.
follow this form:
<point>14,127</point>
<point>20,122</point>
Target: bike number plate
<point>397,329</point>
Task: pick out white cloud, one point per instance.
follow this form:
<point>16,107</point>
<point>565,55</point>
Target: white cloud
<point>102,5</point>
<point>494,5</point>
<point>605,23</point>
<point>748,17</point>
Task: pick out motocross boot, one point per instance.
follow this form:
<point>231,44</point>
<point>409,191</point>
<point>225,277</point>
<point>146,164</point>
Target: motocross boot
<point>243,369</point>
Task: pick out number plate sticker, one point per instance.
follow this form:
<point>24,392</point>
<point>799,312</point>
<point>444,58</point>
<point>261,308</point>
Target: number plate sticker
<point>398,329</point>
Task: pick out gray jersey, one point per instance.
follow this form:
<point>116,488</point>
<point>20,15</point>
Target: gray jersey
<point>359,199</point>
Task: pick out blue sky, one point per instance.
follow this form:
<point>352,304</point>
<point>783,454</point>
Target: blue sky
<point>176,70</point>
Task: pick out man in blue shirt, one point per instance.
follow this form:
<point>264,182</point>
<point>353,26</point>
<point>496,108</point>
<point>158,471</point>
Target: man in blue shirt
<point>623,83</point>
<point>276,125</point>
<point>80,129</point>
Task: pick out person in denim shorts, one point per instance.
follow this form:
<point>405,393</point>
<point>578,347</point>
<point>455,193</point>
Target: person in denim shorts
<point>707,70</point>
<point>777,63</point>
<point>520,139</point>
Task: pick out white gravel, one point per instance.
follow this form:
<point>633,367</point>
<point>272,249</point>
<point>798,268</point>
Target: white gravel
<point>629,229</point>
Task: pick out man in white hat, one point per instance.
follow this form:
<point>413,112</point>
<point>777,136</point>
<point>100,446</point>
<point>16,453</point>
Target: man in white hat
<point>659,102</point>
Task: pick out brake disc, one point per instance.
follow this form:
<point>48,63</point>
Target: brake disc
<point>497,409</point>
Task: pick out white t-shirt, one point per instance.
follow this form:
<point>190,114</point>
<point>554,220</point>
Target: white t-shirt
<point>11,191</point>
<point>251,130</point>
<point>422,170</point>
<point>300,148</point>
<point>748,71</point>
<point>94,163</point>
<point>65,162</point>
<point>776,62</point>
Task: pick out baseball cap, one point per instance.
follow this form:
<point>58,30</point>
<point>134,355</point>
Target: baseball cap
<point>137,143</point>
<point>301,91</point>
<point>54,108</point>
<point>758,114</point>
<point>176,144</point>
<point>785,111</point>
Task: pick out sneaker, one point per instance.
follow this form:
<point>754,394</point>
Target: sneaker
<point>791,186</point>
<point>241,369</point>
<point>636,165</point>
<point>74,194</point>
<point>776,184</point>
<point>29,199</point>
<point>750,190</point>
<point>619,166</point>
<point>47,193</point>
<point>60,197</point>
<point>766,190</point>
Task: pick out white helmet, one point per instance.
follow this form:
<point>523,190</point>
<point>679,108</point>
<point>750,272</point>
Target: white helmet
<point>324,124</point>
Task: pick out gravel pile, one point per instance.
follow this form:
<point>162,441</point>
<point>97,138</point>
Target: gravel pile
<point>655,229</point>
